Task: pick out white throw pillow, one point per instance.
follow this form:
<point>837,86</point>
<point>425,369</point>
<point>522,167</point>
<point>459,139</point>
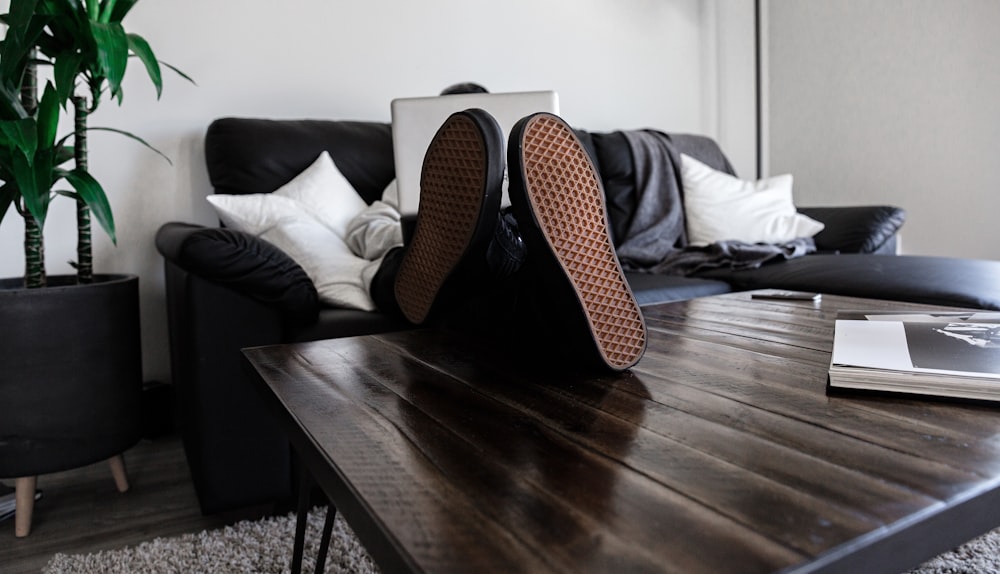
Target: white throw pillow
<point>719,206</point>
<point>326,193</point>
<point>307,219</point>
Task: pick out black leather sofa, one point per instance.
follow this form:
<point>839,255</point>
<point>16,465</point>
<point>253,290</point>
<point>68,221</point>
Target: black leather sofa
<point>227,290</point>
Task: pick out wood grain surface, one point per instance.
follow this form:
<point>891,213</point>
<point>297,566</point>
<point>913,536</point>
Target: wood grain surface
<point>721,451</point>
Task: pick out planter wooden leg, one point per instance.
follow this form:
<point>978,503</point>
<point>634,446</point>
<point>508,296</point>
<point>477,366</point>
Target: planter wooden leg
<point>24,498</point>
<point>118,472</point>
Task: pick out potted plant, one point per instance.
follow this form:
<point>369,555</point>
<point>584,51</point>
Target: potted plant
<point>70,389</point>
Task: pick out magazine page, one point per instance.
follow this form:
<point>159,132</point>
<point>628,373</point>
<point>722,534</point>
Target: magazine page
<point>871,344</point>
<point>949,345</point>
<point>921,316</point>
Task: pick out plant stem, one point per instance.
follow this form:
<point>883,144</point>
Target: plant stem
<point>34,245</point>
<point>84,246</point>
<point>34,254</point>
<point>29,86</point>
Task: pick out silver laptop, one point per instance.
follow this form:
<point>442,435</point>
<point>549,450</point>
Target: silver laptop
<point>416,120</point>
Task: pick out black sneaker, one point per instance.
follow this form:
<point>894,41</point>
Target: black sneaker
<point>506,252</point>
<point>558,200</point>
<point>460,189</point>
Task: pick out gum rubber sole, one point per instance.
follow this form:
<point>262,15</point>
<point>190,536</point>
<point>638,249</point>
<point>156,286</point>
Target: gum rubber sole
<point>567,201</point>
<point>452,197</point>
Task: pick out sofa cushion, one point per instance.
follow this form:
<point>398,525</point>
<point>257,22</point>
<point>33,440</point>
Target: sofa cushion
<point>916,279</point>
<point>650,288</point>
<point>720,207</point>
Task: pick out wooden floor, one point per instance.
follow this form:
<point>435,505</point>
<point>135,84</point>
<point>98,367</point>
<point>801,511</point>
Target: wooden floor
<point>82,512</point>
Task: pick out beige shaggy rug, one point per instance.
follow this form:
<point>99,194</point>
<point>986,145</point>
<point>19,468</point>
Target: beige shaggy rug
<point>251,546</point>
<point>265,546</point>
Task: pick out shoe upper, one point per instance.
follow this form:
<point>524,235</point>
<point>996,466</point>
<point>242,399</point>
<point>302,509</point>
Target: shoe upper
<point>506,251</point>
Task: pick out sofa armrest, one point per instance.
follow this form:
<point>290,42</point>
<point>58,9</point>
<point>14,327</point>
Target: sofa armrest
<point>237,454</point>
<point>243,263</point>
<point>860,229</point>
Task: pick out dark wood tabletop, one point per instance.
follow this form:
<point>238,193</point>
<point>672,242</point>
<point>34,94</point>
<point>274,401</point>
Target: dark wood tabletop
<point>721,451</point>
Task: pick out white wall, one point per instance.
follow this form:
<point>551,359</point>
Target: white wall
<point>733,109</point>
<point>616,65</point>
<point>895,102</point>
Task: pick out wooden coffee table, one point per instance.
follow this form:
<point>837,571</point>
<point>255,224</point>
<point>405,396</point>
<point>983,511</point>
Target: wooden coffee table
<point>719,452</point>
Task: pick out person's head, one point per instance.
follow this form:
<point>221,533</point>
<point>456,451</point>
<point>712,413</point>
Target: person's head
<point>464,88</point>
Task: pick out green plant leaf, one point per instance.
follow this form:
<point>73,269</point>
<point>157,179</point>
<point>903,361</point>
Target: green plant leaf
<point>35,195</point>
<point>65,71</point>
<point>6,160</point>
<point>19,17</point>
<point>134,137</point>
<point>53,7</point>
<point>12,108</point>
<point>179,73</point>
<point>140,47</point>
<point>16,48</point>
<point>93,195</point>
<point>21,134</point>
<point>8,193</point>
<point>68,194</point>
<point>107,7</point>
<point>122,8</point>
<point>48,116</point>
<point>63,153</point>
<point>68,28</point>
<point>112,53</point>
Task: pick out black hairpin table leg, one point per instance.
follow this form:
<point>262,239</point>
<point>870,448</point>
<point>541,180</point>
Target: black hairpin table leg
<point>301,522</point>
<point>305,485</point>
<point>324,543</point>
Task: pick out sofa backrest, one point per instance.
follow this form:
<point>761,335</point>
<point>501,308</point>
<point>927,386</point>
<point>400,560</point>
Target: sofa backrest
<point>249,155</point>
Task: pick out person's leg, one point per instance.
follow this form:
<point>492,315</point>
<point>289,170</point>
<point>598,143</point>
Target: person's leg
<point>383,286</point>
<point>573,284</point>
<point>505,253</point>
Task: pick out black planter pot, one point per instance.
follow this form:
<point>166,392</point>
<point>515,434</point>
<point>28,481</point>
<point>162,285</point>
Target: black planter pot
<point>70,373</point>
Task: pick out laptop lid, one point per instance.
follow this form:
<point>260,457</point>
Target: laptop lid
<point>416,120</point>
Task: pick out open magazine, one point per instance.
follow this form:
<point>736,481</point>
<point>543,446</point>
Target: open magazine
<point>955,354</point>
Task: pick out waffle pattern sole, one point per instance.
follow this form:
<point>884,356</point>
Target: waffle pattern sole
<point>566,197</point>
<point>451,198</point>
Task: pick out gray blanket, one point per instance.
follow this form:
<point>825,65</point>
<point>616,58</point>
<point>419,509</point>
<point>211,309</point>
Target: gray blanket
<point>655,240</point>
